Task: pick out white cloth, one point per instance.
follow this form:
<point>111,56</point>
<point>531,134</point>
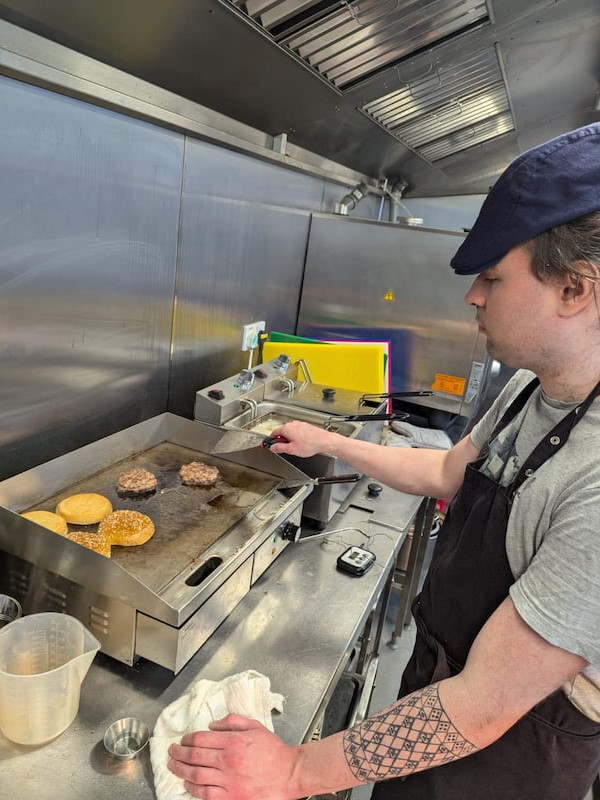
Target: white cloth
<point>413,436</point>
<point>248,693</point>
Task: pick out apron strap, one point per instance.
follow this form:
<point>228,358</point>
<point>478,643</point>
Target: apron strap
<point>553,441</point>
<point>517,405</point>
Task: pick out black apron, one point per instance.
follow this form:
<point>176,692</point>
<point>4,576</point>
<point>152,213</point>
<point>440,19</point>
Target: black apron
<point>553,753</point>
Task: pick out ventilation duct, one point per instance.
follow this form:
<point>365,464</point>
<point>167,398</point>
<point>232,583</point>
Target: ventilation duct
<point>348,41</point>
<point>448,109</point>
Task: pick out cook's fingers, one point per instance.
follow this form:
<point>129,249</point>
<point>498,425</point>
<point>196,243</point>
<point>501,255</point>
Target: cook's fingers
<point>205,792</point>
<point>199,781</point>
<point>217,737</point>
<point>235,722</point>
<point>205,776</point>
<point>195,756</point>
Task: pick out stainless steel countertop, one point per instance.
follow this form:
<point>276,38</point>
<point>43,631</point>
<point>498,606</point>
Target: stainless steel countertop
<point>296,625</point>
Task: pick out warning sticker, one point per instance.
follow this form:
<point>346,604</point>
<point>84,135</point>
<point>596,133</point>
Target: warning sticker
<point>450,384</point>
<point>389,296</point>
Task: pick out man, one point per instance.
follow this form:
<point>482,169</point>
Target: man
<point>501,697</point>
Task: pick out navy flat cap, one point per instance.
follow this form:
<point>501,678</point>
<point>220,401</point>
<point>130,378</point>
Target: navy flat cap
<point>551,184</point>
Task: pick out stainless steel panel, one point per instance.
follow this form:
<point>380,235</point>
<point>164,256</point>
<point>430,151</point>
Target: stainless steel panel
<point>272,547</point>
<point>173,647</point>
<point>45,63</point>
<point>244,227</point>
<point>354,265</point>
<point>88,235</point>
<point>110,620</point>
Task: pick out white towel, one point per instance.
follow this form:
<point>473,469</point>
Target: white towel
<point>248,693</point>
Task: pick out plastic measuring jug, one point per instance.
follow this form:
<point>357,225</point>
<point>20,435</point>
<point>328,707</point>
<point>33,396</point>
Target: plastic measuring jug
<point>43,661</point>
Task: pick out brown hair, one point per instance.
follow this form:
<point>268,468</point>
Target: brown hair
<point>554,252</point>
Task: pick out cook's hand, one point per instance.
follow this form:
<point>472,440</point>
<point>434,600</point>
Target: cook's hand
<point>304,440</point>
<point>238,759</point>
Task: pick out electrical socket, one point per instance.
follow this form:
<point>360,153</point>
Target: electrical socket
<point>250,334</point>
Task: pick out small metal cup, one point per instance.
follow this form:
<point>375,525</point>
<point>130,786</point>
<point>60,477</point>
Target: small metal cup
<point>126,738</point>
<point>10,609</point>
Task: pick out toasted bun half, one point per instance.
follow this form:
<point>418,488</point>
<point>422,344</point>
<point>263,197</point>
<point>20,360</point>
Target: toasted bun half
<point>93,541</point>
<point>127,528</point>
<point>84,509</point>
<point>47,519</point>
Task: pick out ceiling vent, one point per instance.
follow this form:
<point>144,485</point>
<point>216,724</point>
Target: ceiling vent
<point>452,93</point>
<point>448,109</point>
<point>348,41</point>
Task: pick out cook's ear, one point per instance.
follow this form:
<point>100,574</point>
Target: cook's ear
<point>578,287</point>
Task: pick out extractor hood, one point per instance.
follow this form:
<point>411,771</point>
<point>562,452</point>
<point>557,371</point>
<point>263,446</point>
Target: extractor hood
<point>438,94</point>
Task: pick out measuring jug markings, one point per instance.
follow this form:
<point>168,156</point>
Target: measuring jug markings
<point>43,661</point>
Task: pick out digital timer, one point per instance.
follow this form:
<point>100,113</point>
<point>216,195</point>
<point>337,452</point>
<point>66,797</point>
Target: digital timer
<point>355,560</point>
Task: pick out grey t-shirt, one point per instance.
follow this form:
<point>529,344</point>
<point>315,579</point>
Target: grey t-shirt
<point>553,535</point>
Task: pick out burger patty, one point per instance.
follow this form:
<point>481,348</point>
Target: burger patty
<point>136,481</point>
<point>198,474</point>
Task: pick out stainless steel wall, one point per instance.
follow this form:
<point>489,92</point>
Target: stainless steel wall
<point>130,256</point>
<point>365,279</point>
<point>89,207</point>
<point>243,238</point>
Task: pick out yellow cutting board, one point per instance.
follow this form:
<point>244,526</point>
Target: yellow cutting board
<point>345,365</point>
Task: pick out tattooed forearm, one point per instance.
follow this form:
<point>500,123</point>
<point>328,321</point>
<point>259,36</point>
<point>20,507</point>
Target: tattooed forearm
<point>413,735</point>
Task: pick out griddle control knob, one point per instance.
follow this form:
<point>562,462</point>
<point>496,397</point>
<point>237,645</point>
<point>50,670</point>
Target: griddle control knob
<point>374,489</point>
<point>216,394</point>
<point>290,531</point>
<point>328,394</point>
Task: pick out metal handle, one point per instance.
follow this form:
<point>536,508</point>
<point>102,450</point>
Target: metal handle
<point>348,477</point>
<point>368,417</point>
<point>367,398</point>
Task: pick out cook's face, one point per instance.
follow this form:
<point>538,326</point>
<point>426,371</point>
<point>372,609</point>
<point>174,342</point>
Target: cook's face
<point>514,311</point>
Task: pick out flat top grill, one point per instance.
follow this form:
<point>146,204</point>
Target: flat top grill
<point>188,519</point>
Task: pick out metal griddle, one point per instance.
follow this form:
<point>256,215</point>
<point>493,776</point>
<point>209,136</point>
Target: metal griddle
<point>163,599</point>
<point>188,520</point>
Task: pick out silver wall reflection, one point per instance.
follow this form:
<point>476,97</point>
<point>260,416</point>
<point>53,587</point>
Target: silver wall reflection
<point>89,208</point>
<point>130,257</point>
<point>372,280</point>
<point>244,232</point>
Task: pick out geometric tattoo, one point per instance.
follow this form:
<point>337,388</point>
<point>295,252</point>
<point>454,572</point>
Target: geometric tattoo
<point>412,735</point>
